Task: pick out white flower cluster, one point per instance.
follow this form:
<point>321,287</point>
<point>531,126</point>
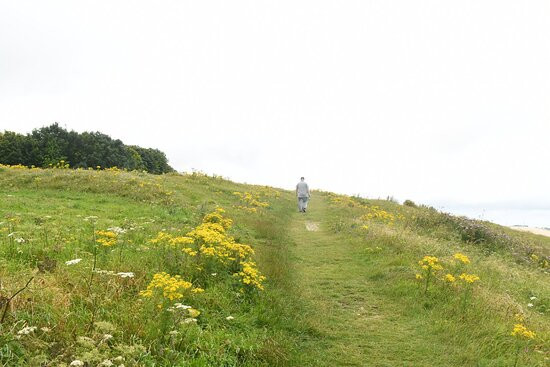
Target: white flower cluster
<point>128,274</point>
<point>27,330</point>
<point>72,262</point>
<point>178,306</point>
<point>117,230</point>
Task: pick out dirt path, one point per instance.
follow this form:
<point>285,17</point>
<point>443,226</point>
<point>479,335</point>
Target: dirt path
<point>360,315</point>
<point>343,309</point>
<point>312,226</point>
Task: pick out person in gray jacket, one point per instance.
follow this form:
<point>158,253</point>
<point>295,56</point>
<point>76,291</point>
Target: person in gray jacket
<point>303,195</point>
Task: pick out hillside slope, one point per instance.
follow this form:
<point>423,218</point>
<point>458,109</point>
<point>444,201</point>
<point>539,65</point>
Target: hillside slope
<point>340,284</point>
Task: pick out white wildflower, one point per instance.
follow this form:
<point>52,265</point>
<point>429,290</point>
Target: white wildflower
<point>182,306</point>
<point>11,234</point>
<point>125,275</point>
<point>214,274</point>
<point>45,329</point>
<point>106,363</point>
<point>229,318</point>
<point>107,337</point>
<point>189,320</point>
<point>529,305</point>
<point>117,230</point>
<point>72,262</point>
<point>19,240</point>
<point>77,362</point>
<point>27,330</point>
<point>533,298</point>
<point>105,272</point>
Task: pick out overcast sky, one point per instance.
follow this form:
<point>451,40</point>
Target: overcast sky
<point>442,102</point>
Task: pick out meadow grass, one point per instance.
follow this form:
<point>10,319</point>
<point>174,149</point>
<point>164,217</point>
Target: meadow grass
<point>50,217</point>
<point>371,311</point>
<point>344,293</point>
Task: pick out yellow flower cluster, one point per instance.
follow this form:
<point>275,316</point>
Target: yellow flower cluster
<point>251,200</point>
<point>469,278</point>
<point>217,217</point>
<point>250,275</point>
<point>520,331</point>
<point>462,258</point>
<point>14,166</point>
<point>162,237</point>
<point>430,263</point>
<point>210,240</point>
<point>345,201</point>
<point>375,212</point>
<point>106,238</point>
<point>172,287</point>
<point>450,278</point>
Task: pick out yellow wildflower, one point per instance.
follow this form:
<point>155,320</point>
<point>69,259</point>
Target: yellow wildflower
<point>462,258</point>
<point>450,278</point>
<point>106,238</point>
<point>520,331</point>
<point>469,278</point>
<point>430,262</point>
<point>171,287</point>
<point>250,275</point>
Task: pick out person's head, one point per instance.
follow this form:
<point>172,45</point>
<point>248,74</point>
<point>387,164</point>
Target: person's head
<point>301,178</point>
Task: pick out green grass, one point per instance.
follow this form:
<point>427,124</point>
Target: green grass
<point>339,296</point>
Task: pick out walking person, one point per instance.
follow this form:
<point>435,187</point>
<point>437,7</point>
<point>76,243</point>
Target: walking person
<point>303,195</point>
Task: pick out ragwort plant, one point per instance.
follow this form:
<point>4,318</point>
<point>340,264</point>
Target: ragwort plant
<point>454,275</point>
<point>523,337</point>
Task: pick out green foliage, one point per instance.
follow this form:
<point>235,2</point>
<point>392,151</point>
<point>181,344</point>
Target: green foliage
<point>340,289</point>
<point>410,203</point>
<point>53,216</point>
<point>50,145</point>
<point>468,230</point>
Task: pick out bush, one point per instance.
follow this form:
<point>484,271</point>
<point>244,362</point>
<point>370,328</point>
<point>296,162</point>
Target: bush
<point>469,230</point>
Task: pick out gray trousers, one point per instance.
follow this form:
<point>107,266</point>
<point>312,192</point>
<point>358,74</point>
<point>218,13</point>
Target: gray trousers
<point>302,203</point>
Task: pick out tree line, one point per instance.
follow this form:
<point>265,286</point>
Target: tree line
<point>48,146</point>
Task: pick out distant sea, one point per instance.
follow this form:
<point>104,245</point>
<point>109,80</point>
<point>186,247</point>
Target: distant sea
<point>507,217</point>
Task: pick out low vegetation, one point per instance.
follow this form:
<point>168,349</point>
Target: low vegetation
<point>112,268</point>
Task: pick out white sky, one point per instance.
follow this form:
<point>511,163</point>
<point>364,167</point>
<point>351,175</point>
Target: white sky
<point>442,102</point>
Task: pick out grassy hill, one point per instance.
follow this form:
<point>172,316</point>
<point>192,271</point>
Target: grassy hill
<point>111,268</point>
